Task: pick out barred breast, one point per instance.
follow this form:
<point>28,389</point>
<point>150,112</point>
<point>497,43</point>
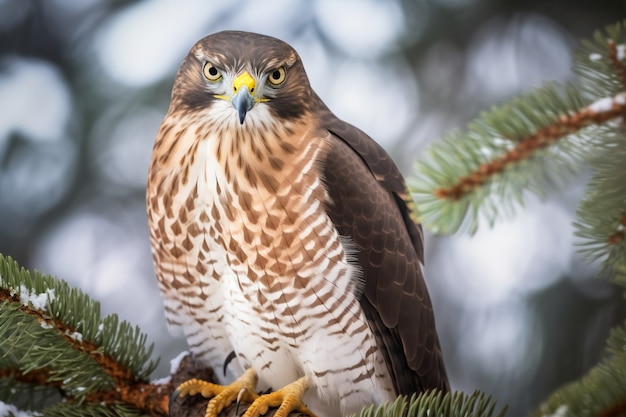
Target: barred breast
<point>292,306</point>
<point>250,261</point>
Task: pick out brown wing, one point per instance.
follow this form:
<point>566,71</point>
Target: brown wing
<point>369,204</point>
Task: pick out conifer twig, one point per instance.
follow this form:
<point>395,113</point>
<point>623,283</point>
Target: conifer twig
<point>146,397</point>
<point>615,58</point>
<point>620,234</point>
<point>597,113</point>
<point>53,336</point>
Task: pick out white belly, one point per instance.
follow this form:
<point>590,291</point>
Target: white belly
<point>323,335</point>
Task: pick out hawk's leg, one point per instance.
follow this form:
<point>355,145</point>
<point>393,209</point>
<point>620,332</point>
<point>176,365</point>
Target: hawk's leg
<point>287,399</point>
<point>242,389</point>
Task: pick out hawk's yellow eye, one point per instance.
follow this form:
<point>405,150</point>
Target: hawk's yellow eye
<point>211,73</point>
<point>277,76</point>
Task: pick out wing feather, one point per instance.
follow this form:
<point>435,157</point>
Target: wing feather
<point>370,205</point>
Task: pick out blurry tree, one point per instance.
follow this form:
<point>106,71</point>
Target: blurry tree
<point>529,145</point>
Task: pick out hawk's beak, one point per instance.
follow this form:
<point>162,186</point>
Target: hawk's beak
<point>243,87</point>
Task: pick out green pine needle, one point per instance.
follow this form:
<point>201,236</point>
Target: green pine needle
<point>92,410</point>
<point>29,347</point>
<point>592,63</point>
<point>601,213</point>
<point>485,173</point>
<point>45,326</point>
<point>487,139</point>
<point>437,404</point>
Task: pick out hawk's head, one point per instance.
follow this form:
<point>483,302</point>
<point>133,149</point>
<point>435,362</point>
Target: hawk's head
<point>244,76</point>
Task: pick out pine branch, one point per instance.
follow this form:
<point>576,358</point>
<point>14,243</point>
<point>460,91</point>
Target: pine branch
<point>53,336</point>
<point>507,151</point>
<point>600,62</point>
<point>489,167</point>
<point>533,144</point>
<point>436,403</point>
<point>601,215</point>
<point>530,144</point>
<point>527,146</point>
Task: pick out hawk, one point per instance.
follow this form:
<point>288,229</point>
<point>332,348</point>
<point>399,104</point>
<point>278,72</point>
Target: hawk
<point>284,235</point>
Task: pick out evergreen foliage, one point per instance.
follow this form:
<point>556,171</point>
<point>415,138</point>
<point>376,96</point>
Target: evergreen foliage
<point>435,403</point>
<point>53,340</point>
<point>533,144</point>
<point>485,170</point>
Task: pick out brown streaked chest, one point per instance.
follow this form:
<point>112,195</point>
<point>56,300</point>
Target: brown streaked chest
<point>271,204</point>
<point>250,199</point>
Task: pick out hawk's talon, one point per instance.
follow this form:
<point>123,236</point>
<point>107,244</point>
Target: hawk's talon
<point>287,399</point>
<point>239,398</point>
<point>198,386</point>
<point>221,396</point>
<point>170,403</point>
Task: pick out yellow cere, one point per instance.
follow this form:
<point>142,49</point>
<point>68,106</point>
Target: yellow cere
<point>241,80</point>
<point>244,79</point>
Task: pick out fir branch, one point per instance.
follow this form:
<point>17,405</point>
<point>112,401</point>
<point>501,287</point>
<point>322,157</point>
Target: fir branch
<point>77,318</point>
<point>616,55</point>
<point>530,144</point>
<point>601,214</point>
<point>436,403</point>
<point>527,146</point>
<point>91,410</point>
<point>52,336</point>
<point>618,237</point>
<point>600,62</point>
<point>43,353</point>
<point>524,145</point>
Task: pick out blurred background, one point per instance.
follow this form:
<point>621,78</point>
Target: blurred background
<point>84,86</point>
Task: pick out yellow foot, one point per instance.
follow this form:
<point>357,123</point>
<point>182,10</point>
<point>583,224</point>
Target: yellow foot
<point>287,399</point>
<point>243,389</point>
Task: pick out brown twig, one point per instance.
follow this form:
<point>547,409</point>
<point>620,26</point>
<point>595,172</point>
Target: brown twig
<point>6,295</point>
<point>620,234</point>
<point>615,410</point>
<point>615,62</point>
<point>148,398</point>
<point>36,377</point>
<point>526,147</point>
